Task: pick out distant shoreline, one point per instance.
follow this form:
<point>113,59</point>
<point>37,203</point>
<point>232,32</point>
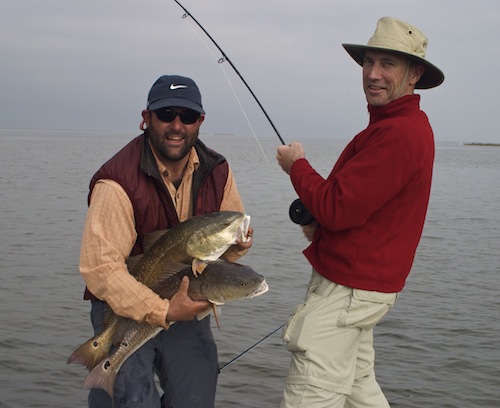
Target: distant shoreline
<point>482,144</point>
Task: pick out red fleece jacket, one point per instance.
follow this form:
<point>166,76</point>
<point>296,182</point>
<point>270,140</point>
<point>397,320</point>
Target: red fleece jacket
<point>371,208</point>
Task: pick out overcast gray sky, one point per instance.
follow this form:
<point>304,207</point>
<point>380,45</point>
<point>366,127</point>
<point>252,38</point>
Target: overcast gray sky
<point>90,64</point>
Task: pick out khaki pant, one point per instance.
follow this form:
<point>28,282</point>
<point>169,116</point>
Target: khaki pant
<point>330,337</point>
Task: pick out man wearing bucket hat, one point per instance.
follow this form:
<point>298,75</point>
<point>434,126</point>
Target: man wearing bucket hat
<point>368,219</point>
<point>159,179</point>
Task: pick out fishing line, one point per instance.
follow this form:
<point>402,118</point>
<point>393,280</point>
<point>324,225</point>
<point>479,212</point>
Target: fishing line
<point>250,348</point>
<point>400,398</point>
<point>220,61</point>
<point>246,117</point>
<point>226,58</point>
<point>270,334</point>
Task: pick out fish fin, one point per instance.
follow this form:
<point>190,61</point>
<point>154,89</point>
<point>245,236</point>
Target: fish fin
<point>132,262</point>
<point>151,238</point>
<point>94,350</point>
<point>171,269</point>
<point>202,315</point>
<point>214,308</point>
<point>121,328</point>
<point>166,272</point>
<point>90,353</point>
<point>217,311</point>
<point>198,267</point>
<point>103,376</point>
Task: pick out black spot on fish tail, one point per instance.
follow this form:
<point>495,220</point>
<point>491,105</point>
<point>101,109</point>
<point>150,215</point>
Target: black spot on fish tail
<point>90,353</point>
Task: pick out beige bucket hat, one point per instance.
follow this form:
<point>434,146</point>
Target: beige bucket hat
<point>398,36</point>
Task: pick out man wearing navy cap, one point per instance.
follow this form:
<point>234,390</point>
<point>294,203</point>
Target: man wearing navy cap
<point>162,177</point>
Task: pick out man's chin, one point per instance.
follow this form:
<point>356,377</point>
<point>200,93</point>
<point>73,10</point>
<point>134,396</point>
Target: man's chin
<point>377,102</point>
<point>176,153</point>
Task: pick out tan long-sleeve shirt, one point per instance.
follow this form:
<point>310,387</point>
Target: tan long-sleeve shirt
<point>109,235</point>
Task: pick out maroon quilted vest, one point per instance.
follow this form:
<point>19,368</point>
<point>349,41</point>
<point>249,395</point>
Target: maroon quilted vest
<point>134,168</point>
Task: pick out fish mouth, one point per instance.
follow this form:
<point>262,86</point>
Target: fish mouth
<point>242,232</point>
<point>263,288</point>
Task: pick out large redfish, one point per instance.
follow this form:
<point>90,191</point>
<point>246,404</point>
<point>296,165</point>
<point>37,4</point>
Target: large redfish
<point>220,283</point>
<point>196,241</point>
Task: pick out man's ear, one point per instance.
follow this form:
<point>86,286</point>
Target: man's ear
<point>418,71</point>
<point>146,116</point>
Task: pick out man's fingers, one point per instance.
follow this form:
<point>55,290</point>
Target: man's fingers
<point>184,286</point>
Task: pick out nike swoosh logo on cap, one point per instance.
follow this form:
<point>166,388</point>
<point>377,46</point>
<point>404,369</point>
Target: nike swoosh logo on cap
<point>174,87</point>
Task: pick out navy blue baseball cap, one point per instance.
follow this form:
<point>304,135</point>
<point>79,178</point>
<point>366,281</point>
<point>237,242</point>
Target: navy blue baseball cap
<point>175,91</point>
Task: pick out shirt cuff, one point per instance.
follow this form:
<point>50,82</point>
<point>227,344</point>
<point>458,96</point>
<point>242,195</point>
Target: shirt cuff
<point>158,316</point>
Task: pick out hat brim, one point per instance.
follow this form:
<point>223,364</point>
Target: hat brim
<point>175,102</point>
<point>431,77</point>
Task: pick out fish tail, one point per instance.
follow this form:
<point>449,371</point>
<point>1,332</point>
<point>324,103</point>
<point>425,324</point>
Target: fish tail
<point>90,353</point>
<point>103,376</point>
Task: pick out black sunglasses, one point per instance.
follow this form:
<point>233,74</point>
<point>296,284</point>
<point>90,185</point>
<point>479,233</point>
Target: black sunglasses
<point>188,116</point>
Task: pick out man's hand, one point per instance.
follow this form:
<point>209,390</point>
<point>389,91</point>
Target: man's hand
<point>243,244</point>
<point>236,251</point>
<point>288,154</point>
<point>309,229</point>
<point>182,307</point>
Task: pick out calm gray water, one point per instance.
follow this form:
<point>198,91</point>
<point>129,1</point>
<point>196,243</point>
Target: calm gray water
<point>439,346</point>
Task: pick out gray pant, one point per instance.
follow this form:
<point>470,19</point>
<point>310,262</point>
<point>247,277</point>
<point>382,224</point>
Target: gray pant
<point>184,358</point>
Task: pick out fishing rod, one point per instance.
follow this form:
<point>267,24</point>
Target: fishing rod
<point>250,348</point>
<point>298,213</point>
<point>226,58</point>
<point>296,209</point>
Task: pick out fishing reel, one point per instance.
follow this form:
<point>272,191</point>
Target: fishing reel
<point>299,214</point>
